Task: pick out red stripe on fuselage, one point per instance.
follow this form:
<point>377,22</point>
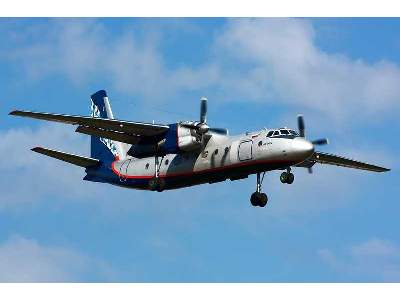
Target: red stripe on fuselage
<point>216,169</point>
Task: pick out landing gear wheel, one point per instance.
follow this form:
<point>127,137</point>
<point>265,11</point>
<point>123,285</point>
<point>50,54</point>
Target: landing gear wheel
<point>290,178</point>
<point>263,200</point>
<point>284,177</point>
<point>254,199</point>
<point>156,184</point>
<point>258,199</point>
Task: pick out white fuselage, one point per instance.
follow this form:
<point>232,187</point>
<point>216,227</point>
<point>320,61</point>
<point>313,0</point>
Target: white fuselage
<point>223,157</point>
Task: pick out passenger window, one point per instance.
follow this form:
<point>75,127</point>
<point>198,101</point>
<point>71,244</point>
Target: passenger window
<point>216,152</point>
<point>166,162</point>
<point>226,149</point>
<point>259,143</point>
<point>147,166</point>
<point>270,133</point>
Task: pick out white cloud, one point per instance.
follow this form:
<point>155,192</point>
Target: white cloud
<point>26,260</point>
<point>249,59</point>
<point>372,260</point>
<point>31,176</point>
<point>83,50</point>
<point>282,54</point>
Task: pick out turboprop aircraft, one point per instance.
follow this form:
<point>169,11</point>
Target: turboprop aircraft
<point>161,157</point>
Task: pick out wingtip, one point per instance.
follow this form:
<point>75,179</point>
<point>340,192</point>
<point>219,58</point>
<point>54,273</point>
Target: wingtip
<point>36,149</point>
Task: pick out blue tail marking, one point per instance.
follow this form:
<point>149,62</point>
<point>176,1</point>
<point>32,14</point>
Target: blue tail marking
<point>100,148</point>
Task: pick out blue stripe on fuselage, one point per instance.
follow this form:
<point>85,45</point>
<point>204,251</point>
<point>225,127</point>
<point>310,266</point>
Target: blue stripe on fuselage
<point>171,139</point>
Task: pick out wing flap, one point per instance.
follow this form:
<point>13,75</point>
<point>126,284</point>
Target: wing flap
<point>136,128</point>
<point>77,160</point>
<point>330,159</point>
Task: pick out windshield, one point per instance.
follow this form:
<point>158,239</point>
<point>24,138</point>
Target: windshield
<point>280,132</point>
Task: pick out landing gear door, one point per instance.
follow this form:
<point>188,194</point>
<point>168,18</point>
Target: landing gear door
<point>245,150</point>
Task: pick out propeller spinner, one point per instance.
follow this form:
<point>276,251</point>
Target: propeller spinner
<point>201,127</point>
<point>302,132</point>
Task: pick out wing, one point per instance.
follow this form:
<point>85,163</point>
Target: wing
<point>330,159</point>
<point>123,131</point>
<point>77,160</point>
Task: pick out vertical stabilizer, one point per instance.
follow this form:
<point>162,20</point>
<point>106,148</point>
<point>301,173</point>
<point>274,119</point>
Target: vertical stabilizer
<point>102,148</point>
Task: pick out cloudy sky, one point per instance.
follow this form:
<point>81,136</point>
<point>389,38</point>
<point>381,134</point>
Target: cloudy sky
<point>334,225</point>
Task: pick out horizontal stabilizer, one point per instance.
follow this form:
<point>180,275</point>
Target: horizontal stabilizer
<point>77,160</point>
<point>325,158</point>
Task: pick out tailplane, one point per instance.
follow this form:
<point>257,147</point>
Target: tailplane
<point>81,161</point>
<point>103,149</point>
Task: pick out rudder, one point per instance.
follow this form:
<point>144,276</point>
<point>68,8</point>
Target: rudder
<point>103,149</point>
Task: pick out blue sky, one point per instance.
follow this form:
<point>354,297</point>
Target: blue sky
<point>335,225</point>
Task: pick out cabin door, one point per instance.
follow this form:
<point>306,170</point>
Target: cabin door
<point>245,150</point>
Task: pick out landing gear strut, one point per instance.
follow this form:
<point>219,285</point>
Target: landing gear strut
<point>287,177</point>
<point>258,198</point>
<point>156,183</point>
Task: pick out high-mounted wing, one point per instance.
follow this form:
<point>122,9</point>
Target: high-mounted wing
<point>330,159</point>
<point>118,130</point>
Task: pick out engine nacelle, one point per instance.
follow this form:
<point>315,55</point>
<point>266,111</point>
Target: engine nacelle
<point>176,140</point>
<point>188,140</point>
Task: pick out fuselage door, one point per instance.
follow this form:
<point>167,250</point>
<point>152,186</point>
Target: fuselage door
<point>245,150</point>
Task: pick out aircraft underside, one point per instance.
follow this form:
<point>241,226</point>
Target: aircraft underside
<point>181,180</point>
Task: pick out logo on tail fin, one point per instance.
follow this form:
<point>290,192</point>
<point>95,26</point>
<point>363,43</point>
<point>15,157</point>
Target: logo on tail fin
<point>107,142</point>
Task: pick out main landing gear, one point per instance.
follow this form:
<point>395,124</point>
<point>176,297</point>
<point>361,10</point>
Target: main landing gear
<point>156,183</point>
<point>258,198</point>
<point>287,177</point>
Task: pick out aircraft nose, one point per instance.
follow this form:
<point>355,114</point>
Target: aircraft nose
<point>302,147</point>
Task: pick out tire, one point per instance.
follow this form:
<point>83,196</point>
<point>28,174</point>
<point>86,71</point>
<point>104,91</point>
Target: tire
<point>284,177</point>
<point>156,184</point>
<point>153,184</point>
<point>263,200</point>
<point>254,199</point>
<point>161,185</point>
<point>290,178</point>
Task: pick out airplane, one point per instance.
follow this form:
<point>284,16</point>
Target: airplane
<point>160,157</point>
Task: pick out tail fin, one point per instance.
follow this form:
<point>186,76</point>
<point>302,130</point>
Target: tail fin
<point>101,148</point>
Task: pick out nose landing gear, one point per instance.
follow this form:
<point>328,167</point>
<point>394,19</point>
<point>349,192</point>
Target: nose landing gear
<point>287,177</point>
<point>258,198</point>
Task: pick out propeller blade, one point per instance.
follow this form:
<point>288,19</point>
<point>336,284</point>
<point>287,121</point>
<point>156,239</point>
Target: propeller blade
<point>203,110</point>
<point>222,131</point>
<point>300,125</point>
<point>320,142</point>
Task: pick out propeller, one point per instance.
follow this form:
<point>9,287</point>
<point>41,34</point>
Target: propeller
<point>201,127</point>
<point>302,132</point>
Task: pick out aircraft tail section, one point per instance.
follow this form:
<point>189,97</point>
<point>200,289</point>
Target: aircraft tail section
<point>81,161</point>
<point>101,148</point>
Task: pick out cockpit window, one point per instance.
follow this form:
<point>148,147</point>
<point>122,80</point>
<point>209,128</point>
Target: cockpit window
<point>270,133</point>
<point>284,131</point>
<point>276,132</point>
<point>293,132</point>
